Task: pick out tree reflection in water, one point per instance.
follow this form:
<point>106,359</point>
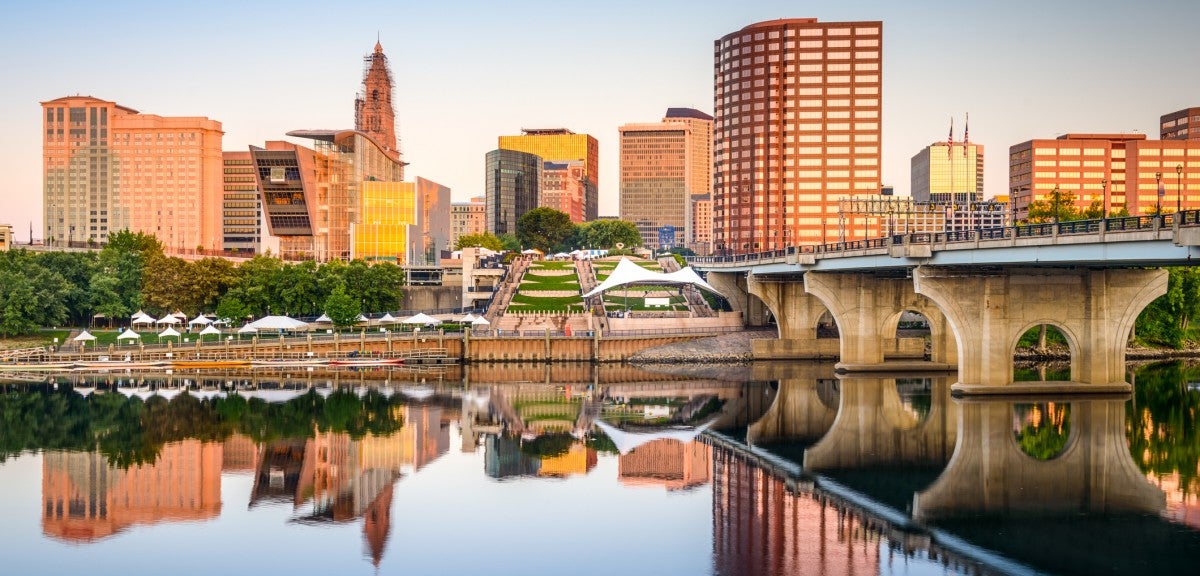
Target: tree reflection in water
<point>1042,429</point>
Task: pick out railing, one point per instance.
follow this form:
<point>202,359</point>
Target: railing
<point>1048,229</point>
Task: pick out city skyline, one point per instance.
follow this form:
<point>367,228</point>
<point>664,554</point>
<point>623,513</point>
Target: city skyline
<point>1019,78</point>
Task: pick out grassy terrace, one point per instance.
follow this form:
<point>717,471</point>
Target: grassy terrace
<point>548,287</point>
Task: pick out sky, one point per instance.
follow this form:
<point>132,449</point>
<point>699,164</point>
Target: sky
<point>467,72</point>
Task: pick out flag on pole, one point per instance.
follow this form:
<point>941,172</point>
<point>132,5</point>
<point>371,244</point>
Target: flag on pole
<point>966,133</point>
<point>950,139</point>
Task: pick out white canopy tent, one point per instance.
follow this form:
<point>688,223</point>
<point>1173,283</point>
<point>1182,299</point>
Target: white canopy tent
<point>168,333</point>
<point>421,318</point>
<point>278,323</point>
<point>141,318</point>
<point>85,336</point>
<point>388,319</point>
<point>627,273</point>
<point>129,335</point>
<point>168,319</point>
<point>210,330</point>
<point>247,329</point>
<point>199,319</point>
<point>467,319</point>
<point>627,441</point>
<point>480,321</point>
<point>323,319</point>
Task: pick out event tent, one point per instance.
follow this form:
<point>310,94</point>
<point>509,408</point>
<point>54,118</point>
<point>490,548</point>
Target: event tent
<point>627,273</point>
<point>388,319</point>
<point>323,319</point>
<point>421,318</point>
<point>168,319</point>
<point>200,319</point>
<point>278,323</point>
<point>129,335</point>
<point>467,319</point>
<point>85,336</point>
<point>169,332</point>
<point>480,321</point>
<point>211,330</point>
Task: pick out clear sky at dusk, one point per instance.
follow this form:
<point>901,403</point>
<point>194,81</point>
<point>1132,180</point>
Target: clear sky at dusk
<point>467,72</point>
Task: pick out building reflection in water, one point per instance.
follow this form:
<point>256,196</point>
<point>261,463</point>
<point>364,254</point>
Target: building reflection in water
<point>669,463</point>
<point>86,498</point>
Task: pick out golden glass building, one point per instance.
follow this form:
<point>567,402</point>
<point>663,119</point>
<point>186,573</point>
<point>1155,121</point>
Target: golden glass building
<point>388,220</point>
<point>562,145</point>
<point>945,172</point>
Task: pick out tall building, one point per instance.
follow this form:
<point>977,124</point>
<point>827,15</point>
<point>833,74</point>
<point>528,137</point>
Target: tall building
<point>1090,166</point>
<point>434,221</point>
<point>1181,125</point>
<point>313,196</point>
<point>241,217</point>
<point>107,167</point>
<point>373,111</point>
<point>388,228</point>
<point>467,218</point>
<point>797,128</point>
<point>511,187</point>
<point>562,145</point>
<point>944,172</point>
<point>563,185</point>
<point>663,165</point>
<point>702,224</point>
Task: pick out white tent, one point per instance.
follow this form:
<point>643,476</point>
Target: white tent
<point>278,323</point>
<point>200,319</point>
<point>388,319</point>
<point>143,319</point>
<point>421,318</point>
<point>627,273</point>
<point>417,392</point>
<point>323,319</point>
<point>84,336</point>
<point>211,330</point>
<point>168,333</point>
<point>168,319</point>
<point>129,335</point>
<point>180,315</point>
<point>467,319</point>
<point>247,329</point>
<point>480,321</point>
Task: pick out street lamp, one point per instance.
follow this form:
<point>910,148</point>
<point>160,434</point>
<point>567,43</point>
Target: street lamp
<point>1158,204</point>
<point>1104,196</point>
<point>1178,188</point>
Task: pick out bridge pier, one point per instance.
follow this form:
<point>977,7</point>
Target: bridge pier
<point>874,429</point>
<point>733,285</point>
<point>990,474</point>
<point>797,314</point>
<point>867,310</point>
<point>989,310</point>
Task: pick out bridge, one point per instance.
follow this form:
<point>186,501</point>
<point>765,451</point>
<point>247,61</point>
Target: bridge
<point>980,290</point>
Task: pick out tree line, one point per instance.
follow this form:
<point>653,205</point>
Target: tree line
<point>551,231</point>
<point>131,273</point>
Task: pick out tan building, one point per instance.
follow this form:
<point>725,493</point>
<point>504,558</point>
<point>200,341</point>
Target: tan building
<point>702,224</point>
<point>107,167</point>
<point>663,165</point>
<point>467,218</point>
<point>944,172</point>
<point>6,237</point>
<point>1162,176</point>
<point>797,128</point>
<point>562,145</point>
<point>1181,125</point>
<point>563,185</point>
<point>241,210</point>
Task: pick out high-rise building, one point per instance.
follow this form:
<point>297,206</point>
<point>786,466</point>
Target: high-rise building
<point>373,111</point>
<point>241,221</point>
<point>511,187</point>
<point>942,172</point>
<point>563,185</point>
<point>434,221</point>
<point>702,224</point>
<point>797,128</point>
<point>562,145</point>
<point>467,218</point>
<point>107,167</point>
<point>1181,125</point>
<point>663,166</point>
<point>1162,176</point>
<point>313,196</point>
<point>1089,166</point>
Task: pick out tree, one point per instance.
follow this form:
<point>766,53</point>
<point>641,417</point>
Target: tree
<point>1059,206</point>
<point>483,240</point>
<point>341,308</point>
<point>606,234</point>
<point>543,228</point>
<point>509,242</point>
<point>232,307</point>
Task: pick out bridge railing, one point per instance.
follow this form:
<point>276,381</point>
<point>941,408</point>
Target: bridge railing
<point>1117,224</point>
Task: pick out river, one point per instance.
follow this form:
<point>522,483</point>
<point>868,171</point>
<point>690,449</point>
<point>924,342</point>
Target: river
<point>583,469</point>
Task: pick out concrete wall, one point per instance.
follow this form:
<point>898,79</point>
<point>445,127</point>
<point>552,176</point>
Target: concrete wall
<point>431,297</point>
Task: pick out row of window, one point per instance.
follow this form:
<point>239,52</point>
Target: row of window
<point>808,31</point>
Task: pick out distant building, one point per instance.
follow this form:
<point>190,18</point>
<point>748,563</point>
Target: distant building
<point>6,237</point>
<point>107,167</point>
<point>942,171</point>
<point>1181,125</point>
<point>241,217</point>
<point>434,221</point>
<point>511,187</point>
<point>658,176</point>
<point>563,187</point>
<point>904,215</point>
<point>562,145</point>
<point>373,111</point>
<point>701,241</point>
<point>798,127</point>
<point>467,218</point>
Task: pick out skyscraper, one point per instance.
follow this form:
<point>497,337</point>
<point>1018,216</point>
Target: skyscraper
<point>563,185</point>
<point>655,186</point>
<point>511,187</point>
<point>562,145</point>
<point>942,172</point>
<point>241,211</point>
<point>107,167</point>
<point>373,111</point>
<point>434,222</point>
<point>1181,125</point>
<point>797,106</point>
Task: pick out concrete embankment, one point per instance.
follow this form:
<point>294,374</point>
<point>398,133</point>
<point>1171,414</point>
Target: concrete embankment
<point>733,347</point>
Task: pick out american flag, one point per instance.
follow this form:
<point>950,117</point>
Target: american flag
<point>950,139</point>
<point>966,133</point>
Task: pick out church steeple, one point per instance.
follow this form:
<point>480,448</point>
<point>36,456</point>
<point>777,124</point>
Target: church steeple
<point>373,112</point>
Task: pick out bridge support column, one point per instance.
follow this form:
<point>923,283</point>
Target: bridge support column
<point>867,310</point>
<point>796,314</point>
<point>990,310</point>
<point>733,286</point>
<point>990,474</point>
